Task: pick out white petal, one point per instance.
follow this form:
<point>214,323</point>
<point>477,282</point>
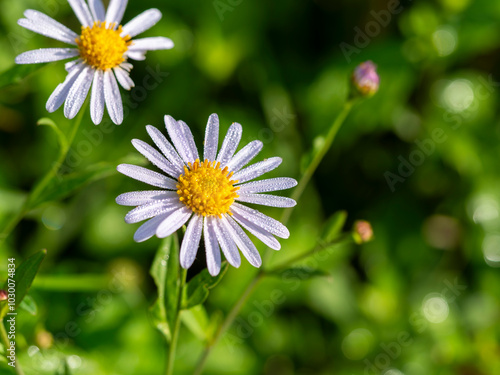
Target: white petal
<point>78,93</point>
<point>271,184</point>
<point>141,23</point>
<point>147,176</point>
<point>44,55</point>
<point>173,222</point>
<point>137,198</point>
<point>115,12</point>
<point>155,157</point>
<point>230,144</point>
<point>267,238</point>
<point>70,65</point>
<point>42,24</point>
<point>193,151</point>
<point>257,169</point>
<point>152,209</point>
<point>265,222</point>
<point>151,44</point>
<point>61,92</point>
<point>191,241</point>
<point>211,138</point>
<point>244,156</point>
<point>126,66</point>
<point>136,55</point>
<point>227,244</point>
<point>242,241</point>
<point>97,97</point>
<point>82,12</point>
<point>113,98</point>
<point>97,10</point>
<point>211,246</point>
<point>266,200</point>
<point>123,78</point>
<point>180,139</point>
<point>168,150</point>
<point>148,229</point>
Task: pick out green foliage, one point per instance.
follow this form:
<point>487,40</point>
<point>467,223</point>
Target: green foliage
<point>63,185</point>
<point>165,271</point>
<point>17,73</point>
<point>25,274</point>
<point>333,226</point>
<point>28,304</point>
<point>198,288</point>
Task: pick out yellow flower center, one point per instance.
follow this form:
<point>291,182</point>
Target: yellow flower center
<point>207,189</point>
<point>102,47</point>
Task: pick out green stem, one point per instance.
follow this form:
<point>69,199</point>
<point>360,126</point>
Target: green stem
<point>343,239</point>
<point>6,343</point>
<point>311,168</point>
<point>44,182</point>
<point>228,321</point>
<point>330,137</point>
<point>175,335</point>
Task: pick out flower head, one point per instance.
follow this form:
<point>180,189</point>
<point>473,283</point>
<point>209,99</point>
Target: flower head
<point>102,49</point>
<point>206,194</point>
<point>365,78</point>
<point>3,295</point>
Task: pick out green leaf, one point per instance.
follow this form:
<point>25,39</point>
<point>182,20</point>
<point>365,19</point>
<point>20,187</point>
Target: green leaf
<point>196,320</point>
<point>28,304</point>
<point>298,273</point>
<point>198,288</point>
<point>333,226</point>
<point>63,142</point>
<point>17,73</point>
<point>25,274</point>
<point>62,186</point>
<point>165,272</point>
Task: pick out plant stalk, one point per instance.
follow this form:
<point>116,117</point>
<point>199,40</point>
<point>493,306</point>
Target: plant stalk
<point>175,335</point>
<point>45,181</point>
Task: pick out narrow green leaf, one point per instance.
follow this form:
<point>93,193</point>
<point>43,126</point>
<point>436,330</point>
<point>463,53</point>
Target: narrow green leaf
<point>28,304</point>
<point>333,226</point>
<point>298,273</point>
<point>198,288</point>
<point>196,320</point>
<point>25,275</point>
<point>17,73</point>
<point>165,270</point>
<point>172,281</point>
<point>62,186</point>
<point>61,138</point>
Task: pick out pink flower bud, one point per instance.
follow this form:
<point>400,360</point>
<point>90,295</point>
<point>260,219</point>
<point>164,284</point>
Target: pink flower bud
<point>3,295</point>
<point>363,231</point>
<point>365,79</point>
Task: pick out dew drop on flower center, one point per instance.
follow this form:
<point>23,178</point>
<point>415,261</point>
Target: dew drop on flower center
<point>207,189</point>
<point>102,46</point>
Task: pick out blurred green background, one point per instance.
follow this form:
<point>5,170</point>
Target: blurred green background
<point>420,299</point>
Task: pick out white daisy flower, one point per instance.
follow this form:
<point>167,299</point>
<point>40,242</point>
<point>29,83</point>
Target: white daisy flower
<point>102,50</point>
<point>206,195</point>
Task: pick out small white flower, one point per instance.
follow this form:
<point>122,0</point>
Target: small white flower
<point>205,194</point>
<point>103,49</point>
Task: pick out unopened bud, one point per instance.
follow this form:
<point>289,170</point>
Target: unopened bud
<point>362,231</point>
<point>3,295</point>
<point>365,79</point>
